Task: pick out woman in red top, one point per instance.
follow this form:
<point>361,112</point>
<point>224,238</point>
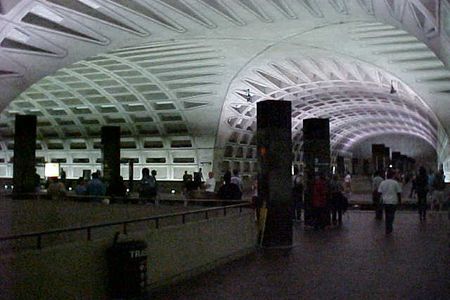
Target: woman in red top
<point>320,202</point>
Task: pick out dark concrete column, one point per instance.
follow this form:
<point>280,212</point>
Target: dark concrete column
<point>366,167</point>
<point>387,157</point>
<point>24,154</point>
<point>131,175</point>
<point>403,159</point>
<point>111,153</point>
<point>316,155</point>
<point>396,160</point>
<point>355,166</point>
<point>274,140</point>
<point>340,165</point>
<point>377,157</point>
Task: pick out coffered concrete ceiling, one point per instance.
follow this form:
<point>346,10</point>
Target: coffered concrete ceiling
<point>175,75</point>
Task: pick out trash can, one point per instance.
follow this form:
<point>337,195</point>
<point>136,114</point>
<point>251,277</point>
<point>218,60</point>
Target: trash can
<point>127,269</point>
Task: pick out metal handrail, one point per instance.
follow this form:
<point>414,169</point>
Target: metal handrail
<point>124,224</point>
<point>150,199</point>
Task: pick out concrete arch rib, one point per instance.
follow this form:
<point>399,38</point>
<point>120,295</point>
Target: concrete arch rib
<point>335,86</point>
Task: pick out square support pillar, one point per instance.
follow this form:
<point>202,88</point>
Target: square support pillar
<point>396,160</point>
<point>403,160</point>
<point>274,142</point>
<point>24,154</point>
<point>340,165</point>
<point>316,155</point>
<point>387,157</point>
<point>111,154</point>
<point>377,157</point>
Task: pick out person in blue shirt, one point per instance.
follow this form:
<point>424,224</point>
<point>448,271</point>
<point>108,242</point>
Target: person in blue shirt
<point>96,188</point>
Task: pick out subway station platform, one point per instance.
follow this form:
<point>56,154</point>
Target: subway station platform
<point>355,261</point>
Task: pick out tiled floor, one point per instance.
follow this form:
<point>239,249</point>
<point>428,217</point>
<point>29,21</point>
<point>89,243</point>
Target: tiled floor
<point>356,261</point>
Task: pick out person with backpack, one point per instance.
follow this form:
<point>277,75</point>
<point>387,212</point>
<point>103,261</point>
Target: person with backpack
<point>147,188</point>
<point>297,194</point>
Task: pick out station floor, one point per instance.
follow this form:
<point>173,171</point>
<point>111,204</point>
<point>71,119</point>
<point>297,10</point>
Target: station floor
<point>355,261</point>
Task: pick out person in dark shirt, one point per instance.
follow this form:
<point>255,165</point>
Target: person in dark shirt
<point>96,188</point>
<point>229,191</point>
<point>320,195</point>
<point>421,191</point>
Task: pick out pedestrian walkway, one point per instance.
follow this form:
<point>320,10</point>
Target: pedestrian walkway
<point>356,261</point>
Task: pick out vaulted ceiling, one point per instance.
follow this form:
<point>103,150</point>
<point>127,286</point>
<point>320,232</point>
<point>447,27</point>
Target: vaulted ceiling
<point>175,75</point>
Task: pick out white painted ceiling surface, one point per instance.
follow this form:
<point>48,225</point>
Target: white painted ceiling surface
<point>174,75</point>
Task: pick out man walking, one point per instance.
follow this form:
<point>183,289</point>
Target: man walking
<point>391,192</point>
<point>376,198</point>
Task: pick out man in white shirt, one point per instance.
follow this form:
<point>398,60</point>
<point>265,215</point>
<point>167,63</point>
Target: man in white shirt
<point>391,192</point>
<point>210,183</point>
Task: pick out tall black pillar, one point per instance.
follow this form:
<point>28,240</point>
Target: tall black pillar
<point>340,165</point>
<point>355,166</point>
<point>24,154</point>
<point>396,160</point>
<point>111,153</point>
<point>403,159</point>
<point>377,157</point>
<point>274,141</point>
<point>316,155</point>
<point>387,157</point>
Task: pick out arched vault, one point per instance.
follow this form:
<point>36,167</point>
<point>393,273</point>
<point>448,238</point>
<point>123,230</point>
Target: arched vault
<point>175,74</point>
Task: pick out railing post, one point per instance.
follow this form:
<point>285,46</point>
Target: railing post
<point>157,223</point>
<point>124,228</point>
<point>39,241</point>
<point>224,211</point>
<point>206,215</point>
<point>183,218</point>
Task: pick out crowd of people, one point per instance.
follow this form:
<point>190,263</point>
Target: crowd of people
<point>329,200</point>
<point>328,197</point>
<point>230,188</point>
<point>97,190</point>
<point>425,187</point>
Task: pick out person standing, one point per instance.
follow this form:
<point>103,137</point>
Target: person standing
<point>336,200</point>
<point>391,195</point>
<point>198,178</point>
<point>376,197</point>
<point>421,191</point>
<point>229,191</point>
<point>56,189</point>
<point>147,189</point>
<point>438,189</point>
<point>210,184</point>
<point>320,202</point>
<point>236,179</point>
<point>96,188</point>
<point>348,185</point>
<point>297,194</point>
